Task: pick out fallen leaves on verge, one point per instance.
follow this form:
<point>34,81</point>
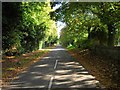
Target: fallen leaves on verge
<point>105,70</point>
<point>11,66</point>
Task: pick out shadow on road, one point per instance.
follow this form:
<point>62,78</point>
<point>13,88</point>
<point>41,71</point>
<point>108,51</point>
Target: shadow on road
<point>49,74</point>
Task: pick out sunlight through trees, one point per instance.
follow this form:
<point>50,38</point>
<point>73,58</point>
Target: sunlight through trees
<point>90,24</point>
<point>27,26</point>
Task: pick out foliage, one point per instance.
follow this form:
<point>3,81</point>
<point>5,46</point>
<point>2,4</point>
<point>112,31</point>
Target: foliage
<point>89,23</point>
<point>26,24</point>
<point>11,66</point>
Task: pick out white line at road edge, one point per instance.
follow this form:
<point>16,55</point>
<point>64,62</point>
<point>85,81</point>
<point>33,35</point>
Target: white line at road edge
<point>55,64</point>
<point>51,79</point>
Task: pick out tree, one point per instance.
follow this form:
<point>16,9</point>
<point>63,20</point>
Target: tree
<point>29,24</point>
<point>91,17</point>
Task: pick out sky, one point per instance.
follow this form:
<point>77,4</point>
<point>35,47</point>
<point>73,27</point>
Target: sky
<point>60,24</point>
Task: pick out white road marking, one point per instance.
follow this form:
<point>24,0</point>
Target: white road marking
<point>50,84</point>
<point>51,79</point>
<point>55,64</point>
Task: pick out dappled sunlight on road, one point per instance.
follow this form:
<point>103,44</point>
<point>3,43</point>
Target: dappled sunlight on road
<point>62,71</point>
<point>56,70</point>
<point>73,75</point>
<point>42,65</point>
<point>54,49</point>
<point>46,57</point>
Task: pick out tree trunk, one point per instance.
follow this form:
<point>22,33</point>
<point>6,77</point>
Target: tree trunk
<point>111,35</point>
<point>89,33</point>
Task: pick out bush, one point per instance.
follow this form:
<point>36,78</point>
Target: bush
<point>70,46</point>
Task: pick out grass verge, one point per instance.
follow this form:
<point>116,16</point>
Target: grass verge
<point>12,66</point>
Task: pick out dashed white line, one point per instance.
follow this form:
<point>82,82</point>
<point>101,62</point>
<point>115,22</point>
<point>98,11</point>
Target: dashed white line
<point>55,64</point>
<point>51,79</point>
<point>50,84</point>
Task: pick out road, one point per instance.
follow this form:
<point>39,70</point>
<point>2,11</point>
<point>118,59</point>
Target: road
<point>56,70</point>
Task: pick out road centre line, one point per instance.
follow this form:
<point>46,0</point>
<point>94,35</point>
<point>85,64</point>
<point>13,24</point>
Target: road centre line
<point>55,64</point>
<point>50,84</point>
<point>51,79</point>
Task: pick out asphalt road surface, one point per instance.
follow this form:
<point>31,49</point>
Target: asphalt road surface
<point>57,70</point>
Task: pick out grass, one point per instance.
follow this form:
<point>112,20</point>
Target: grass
<point>70,47</point>
<point>12,66</point>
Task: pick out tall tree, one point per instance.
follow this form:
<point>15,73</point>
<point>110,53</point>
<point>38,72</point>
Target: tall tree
<point>26,24</point>
<point>86,16</point>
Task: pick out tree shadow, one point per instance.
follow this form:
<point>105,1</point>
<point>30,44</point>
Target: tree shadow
<point>73,75</point>
<point>67,75</point>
